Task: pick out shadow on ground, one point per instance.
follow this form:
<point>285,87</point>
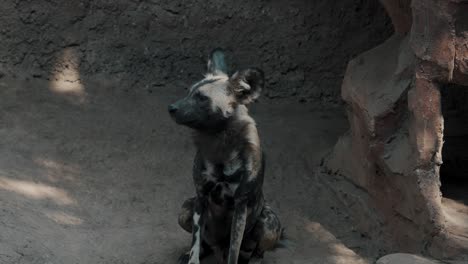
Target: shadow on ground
<point>98,177</point>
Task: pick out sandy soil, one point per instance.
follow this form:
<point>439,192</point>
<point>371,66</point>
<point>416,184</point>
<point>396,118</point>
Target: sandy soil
<point>98,177</point>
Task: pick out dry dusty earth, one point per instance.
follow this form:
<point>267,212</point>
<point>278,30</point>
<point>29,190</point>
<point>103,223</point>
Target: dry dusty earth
<point>98,177</point>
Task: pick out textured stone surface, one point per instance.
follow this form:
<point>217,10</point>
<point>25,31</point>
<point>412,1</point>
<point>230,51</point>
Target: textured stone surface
<point>400,12</point>
<point>439,37</point>
<point>375,94</point>
<point>393,151</point>
<point>432,37</point>
<point>461,43</point>
<point>303,46</point>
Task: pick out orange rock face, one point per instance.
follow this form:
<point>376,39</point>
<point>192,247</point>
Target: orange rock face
<point>394,148</point>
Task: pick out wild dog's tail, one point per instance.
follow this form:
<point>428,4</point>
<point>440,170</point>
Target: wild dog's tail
<point>284,242</point>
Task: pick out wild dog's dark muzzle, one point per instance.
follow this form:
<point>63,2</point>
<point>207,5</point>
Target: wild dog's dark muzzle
<point>177,109</point>
<point>182,112</point>
<point>172,108</point>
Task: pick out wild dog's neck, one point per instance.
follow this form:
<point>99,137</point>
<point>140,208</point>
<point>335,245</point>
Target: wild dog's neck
<point>239,119</point>
<point>240,129</point>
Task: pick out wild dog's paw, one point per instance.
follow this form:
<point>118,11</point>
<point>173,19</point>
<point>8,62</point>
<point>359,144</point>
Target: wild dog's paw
<point>184,259</point>
<point>256,261</point>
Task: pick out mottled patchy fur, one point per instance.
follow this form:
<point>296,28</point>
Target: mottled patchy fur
<point>228,217</point>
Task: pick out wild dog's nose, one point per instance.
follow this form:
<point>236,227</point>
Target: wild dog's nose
<point>172,108</point>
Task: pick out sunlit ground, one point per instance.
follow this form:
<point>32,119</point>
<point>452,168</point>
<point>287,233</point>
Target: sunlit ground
<point>37,191</point>
<point>456,215</point>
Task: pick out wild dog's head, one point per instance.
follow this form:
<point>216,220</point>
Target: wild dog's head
<point>212,102</point>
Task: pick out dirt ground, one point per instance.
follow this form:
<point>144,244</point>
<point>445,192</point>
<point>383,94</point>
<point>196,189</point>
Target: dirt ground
<point>99,176</point>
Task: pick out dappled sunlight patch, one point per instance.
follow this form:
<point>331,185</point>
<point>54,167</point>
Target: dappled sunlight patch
<point>319,231</point>
<point>37,191</point>
<point>342,254</point>
<point>318,242</point>
<point>64,218</point>
<point>65,78</point>
<point>315,243</point>
<point>57,171</point>
<point>456,216</point>
<point>339,253</point>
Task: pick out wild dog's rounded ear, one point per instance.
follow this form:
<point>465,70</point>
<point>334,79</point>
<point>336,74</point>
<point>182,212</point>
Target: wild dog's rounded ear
<point>217,63</point>
<point>247,84</point>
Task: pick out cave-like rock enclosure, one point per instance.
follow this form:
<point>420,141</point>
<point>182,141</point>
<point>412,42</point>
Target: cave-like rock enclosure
<point>398,96</point>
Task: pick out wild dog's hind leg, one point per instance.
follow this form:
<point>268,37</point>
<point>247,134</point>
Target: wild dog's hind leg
<point>249,244</point>
<point>186,214</point>
<point>263,237</point>
<point>268,232</point>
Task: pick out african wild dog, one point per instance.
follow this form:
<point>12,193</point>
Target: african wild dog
<point>228,217</point>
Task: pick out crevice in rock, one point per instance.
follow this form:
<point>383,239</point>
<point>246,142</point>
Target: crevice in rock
<point>454,172</point>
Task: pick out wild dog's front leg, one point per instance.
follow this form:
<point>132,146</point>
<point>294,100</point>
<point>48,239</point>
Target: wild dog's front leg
<point>250,185</point>
<point>196,233</point>
<point>194,255</point>
<point>237,232</point>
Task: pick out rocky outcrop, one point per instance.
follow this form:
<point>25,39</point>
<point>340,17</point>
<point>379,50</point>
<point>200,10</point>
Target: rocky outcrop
<point>400,13</point>
<point>394,148</point>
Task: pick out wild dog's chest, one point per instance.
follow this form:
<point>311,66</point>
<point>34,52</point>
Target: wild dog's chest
<point>220,182</point>
<point>228,171</point>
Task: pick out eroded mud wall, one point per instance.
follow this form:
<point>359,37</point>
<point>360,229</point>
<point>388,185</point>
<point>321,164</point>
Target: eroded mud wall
<point>302,45</point>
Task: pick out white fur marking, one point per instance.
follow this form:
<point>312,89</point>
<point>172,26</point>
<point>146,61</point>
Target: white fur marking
<point>233,187</point>
<point>209,77</point>
<point>244,85</point>
<point>195,251</point>
<point>232,166</point>
<point>242,114</point>
<point>209,171</point>
<point>219,97</point>
<point>217,92</point>
<point>252,136</point>
<point>209,167</point>
<point>249,168</point>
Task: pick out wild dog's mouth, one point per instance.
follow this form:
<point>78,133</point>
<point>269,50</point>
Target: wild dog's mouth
<point>185,122</point>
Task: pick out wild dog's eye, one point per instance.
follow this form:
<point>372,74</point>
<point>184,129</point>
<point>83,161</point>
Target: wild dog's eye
<point>201,97</point>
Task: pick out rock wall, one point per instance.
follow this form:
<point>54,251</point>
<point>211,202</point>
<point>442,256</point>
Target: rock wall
<point>303,46</point>
<point>393,151</point>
